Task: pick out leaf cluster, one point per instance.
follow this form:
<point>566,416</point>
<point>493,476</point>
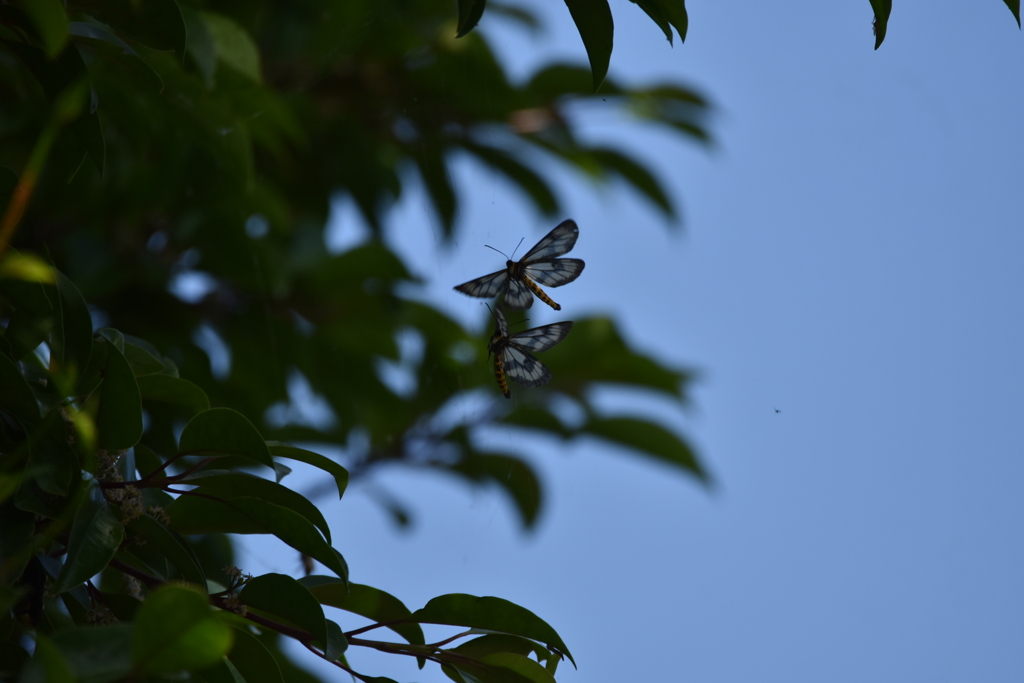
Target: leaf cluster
<point>166,172</point>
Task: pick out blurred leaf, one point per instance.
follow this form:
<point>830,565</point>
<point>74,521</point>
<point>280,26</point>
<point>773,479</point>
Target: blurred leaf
<point>650,439</point>
<point>174,391</point>
<point>470,12</point>
<point>882,8</point>
<point>32,319</point>
<point>234,47</point>
<point>176,630</point>
<point>27,267</point>
<point>512,474</point>
<point>154,23</point>
<point>593,20</point>
<point>523,176</point>
<point>48,664</point>
<point>438,182</point>
<point>50,21</point>
<point>340,474</point>
<point>492,614</point>
<point>95,537</point>
<point>253,660</point>
<point>637,176</point>
<point>191,514</point>
<point>366,601</point>
<point>285,598</point>
<point>222,431</point>
<point>119,414</point>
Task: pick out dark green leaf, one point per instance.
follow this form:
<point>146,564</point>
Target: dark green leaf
<point>648,438</point>
<point>51,459</point>
<point>665,13</point>
<point>176,630</point>
<point>16,396</point>
<point>174,391</point>
<point>142,361</point>
<point>253,660</point>
<point>593,20</point>
<point>119,416</point>
<point>71,340</point>
<point>882,8</point>
<point>191,514</point>
<point>340,474</point>
<point>95,537</point>
<point>336,642</point>
<point>170,546</point>
<point>32,319</point>
<point>231,485</point>
<point>16,528</point>
<point>222,431</point>
<point>366,601</point>
<point>285,598</point>
<point>1014,6</point>
<point>470,12</point>
<point>491,614</point>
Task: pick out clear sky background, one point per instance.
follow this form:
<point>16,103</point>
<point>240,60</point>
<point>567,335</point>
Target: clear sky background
<point>852,255</point>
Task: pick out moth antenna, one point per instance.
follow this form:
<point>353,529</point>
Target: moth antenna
<point>517,246</point>
<point>499,251</point>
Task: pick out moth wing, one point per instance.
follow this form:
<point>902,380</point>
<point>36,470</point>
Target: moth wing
<point>524,368</point>
<point>485,287</point>
<point>557,242</point>
<point>518,296</point>
<point>555,272</point>
<point>541,338</point>
<point>501,325</point>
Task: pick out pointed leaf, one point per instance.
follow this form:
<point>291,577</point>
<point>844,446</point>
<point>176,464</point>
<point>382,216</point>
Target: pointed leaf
<point>340,474</point>
<point>882,8</point>
<point>492,614</point>
<point>1014,6</point>
<point>593,20</point>
<point>470,12</point>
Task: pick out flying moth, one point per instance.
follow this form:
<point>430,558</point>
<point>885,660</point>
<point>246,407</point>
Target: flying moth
<point>520,280</point>
<point>512,357</point>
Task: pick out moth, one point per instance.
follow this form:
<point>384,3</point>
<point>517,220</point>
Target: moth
<point>512,357</point>
<point>520,279</point>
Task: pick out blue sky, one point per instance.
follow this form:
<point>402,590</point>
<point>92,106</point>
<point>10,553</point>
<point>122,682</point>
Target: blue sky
<point>852,256</point>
